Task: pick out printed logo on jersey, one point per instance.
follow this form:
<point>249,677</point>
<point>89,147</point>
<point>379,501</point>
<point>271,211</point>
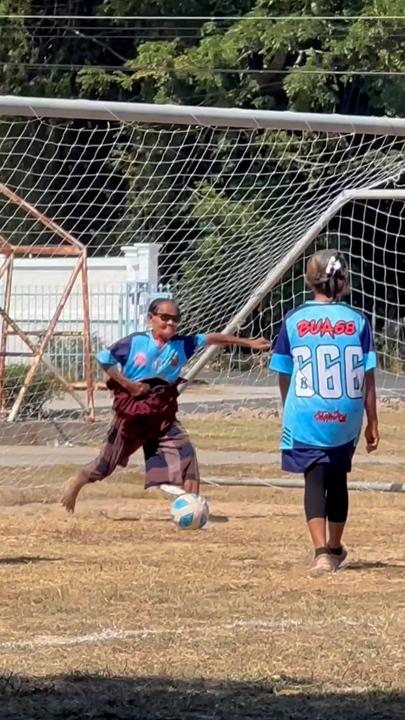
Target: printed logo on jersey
<point>140,359</point>
<point>174,362</point>
<point>325,327</point>
<point>330,417</point>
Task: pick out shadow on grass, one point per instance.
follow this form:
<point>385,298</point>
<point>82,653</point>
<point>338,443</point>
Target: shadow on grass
<point>27,560</point>
<point>215,519</point>
<point>219,519</point>
<point>373,565</point>
<point>125,698</point>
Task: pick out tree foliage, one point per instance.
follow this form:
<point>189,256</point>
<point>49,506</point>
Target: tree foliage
<point>308,62</point>
<point>251,62</point>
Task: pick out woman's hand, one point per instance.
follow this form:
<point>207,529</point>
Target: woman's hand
<point>260,344</point>
<point>136,388</point>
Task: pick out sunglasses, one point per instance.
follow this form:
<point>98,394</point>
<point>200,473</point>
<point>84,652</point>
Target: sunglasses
<point>165,317</point>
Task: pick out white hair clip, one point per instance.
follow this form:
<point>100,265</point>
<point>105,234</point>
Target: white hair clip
<point>333,265</point>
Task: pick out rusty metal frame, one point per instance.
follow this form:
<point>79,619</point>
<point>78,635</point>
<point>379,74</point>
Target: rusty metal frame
<point>34,348</point>
<point>71,247</point>
<point>7,268</point>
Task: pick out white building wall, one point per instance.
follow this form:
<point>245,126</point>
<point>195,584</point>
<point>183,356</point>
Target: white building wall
<point>138,263</point>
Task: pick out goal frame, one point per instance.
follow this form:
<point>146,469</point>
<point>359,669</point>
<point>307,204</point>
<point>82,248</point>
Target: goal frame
<point>191,116</point>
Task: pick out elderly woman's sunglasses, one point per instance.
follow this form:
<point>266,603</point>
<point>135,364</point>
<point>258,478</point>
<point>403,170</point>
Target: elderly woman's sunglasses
<point>165,317</point>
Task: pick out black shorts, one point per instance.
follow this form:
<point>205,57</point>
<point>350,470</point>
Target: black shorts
<point>300,458</point>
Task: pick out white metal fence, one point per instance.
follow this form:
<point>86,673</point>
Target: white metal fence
<point>115,311</point>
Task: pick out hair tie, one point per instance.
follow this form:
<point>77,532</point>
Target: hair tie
<point>333,266</point>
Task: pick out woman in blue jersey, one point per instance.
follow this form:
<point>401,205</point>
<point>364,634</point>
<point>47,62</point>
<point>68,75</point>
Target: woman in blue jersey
<point>325,358</point>
<point>144,372</point>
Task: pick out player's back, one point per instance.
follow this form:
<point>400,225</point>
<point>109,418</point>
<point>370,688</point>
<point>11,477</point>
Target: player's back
<point>330,347</point>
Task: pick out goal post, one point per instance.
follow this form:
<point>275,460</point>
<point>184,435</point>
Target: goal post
<point>232,200</point>
<point>276,274</point>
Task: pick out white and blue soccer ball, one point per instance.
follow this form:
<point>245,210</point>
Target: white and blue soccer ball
<point>190,512</point>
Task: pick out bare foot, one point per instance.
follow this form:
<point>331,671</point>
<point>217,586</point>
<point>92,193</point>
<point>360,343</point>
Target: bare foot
<point>192,486</point>
<point>72,489</point>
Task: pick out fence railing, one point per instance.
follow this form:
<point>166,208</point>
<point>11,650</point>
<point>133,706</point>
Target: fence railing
<point>115,311</point>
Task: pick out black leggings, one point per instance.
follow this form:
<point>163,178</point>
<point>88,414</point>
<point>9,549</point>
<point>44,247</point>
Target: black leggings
<point>326,494</point>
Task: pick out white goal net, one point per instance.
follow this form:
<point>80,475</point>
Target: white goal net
<point>233,202</point>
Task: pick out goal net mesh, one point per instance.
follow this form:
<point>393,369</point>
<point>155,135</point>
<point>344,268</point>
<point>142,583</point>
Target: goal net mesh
<point>225,206</point>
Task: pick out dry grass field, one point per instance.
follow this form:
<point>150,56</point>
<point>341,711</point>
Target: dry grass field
<point>113,613</point>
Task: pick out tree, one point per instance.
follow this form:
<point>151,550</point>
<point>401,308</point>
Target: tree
<point>285,64</point>
<point>306,64</point>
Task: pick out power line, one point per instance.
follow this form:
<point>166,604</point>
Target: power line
<point>70,33</point>
<point>222,71</point>
<point>231,18</point>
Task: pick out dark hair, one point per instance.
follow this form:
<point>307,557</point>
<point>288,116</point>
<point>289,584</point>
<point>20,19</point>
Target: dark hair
<point>328,273</point>
<point>154,306</point>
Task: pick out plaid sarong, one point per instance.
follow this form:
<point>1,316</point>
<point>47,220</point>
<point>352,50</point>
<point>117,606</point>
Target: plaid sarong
<point>149,422</point>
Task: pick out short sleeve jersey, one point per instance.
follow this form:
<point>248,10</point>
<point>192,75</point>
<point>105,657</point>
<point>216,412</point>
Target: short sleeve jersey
<point>141,357</point>
<point>326,348</point>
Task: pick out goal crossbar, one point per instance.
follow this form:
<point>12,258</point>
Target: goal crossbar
<point>194,115</point>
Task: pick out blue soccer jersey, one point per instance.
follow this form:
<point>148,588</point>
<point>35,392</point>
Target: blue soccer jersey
<point>326,348</point>
<point>142,357</point>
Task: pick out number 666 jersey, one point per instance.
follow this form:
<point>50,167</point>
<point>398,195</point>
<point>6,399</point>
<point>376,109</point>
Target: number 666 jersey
<point>326,348</point>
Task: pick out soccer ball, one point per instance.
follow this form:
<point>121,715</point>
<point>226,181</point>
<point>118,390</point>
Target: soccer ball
<point>190,512</point>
